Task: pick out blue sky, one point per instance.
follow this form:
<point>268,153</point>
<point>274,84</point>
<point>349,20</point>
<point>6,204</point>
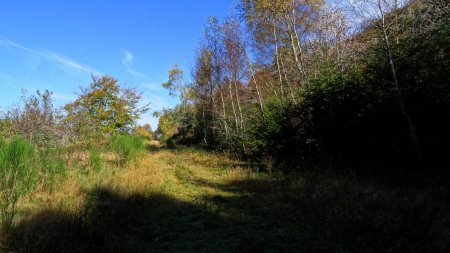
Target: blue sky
<point>56,45</point>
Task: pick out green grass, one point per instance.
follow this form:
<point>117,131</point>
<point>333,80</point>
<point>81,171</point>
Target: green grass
<point>18,175</point>
<point>23,167</point>
<point>128,147</point>
<point>188,200</point>
<point>52,167</point>
<point>95,159</point>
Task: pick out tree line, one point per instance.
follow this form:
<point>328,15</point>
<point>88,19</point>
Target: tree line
<point>289,81</point>
<point>101,111</point>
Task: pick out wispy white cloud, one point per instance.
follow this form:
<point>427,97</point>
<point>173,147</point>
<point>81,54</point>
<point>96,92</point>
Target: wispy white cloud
<point>127,61</point>
<point>73,65</point>
<point>152,86</point>
<point>158,102</point>
<point>61,61</point>
<point>136,73</point>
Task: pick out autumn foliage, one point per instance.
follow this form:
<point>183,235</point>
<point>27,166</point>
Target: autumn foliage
<point>295,81</point>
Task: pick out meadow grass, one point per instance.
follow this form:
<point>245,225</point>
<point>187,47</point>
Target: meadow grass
<point>23,168</point>
<point>95,159</point>
<point>18,175</point>
<point>128,147</point>
<point>189,200</point>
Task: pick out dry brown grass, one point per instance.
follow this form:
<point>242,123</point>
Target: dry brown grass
<point>155,143</point>
<point>238,174</point>
<point>144,177</point>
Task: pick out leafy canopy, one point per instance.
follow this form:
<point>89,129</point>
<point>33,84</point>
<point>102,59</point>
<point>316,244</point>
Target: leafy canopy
<point>105,108</point>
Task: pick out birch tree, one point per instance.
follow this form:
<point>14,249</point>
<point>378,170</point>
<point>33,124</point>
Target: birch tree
<point>383,15</point>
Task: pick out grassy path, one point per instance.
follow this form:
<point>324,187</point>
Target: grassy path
<point>170,201</point>
<point>193,201</point>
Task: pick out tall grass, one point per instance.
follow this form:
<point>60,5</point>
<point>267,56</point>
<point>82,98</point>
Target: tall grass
<point>128,147</point>
<point>52,166</point>
<point>95,159</point>
<point>23,166</point>
<point>18,175</point>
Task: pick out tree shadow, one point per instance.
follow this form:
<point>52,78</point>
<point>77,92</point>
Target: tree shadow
<point>332,213</point>
<point>154,146</point>
<point>323,214</point>
<point>109,222</point>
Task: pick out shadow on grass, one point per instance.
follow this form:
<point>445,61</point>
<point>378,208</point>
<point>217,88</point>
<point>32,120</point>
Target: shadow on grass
<point>158,223</point>
<point>296,214</point>
<point>154,147</point>
<point>326,212</point>
<point>348,215</point>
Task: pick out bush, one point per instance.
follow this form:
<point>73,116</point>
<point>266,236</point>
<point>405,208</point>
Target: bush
<point>128,147</point>
<point>36,119</point>
<point>18,175</point>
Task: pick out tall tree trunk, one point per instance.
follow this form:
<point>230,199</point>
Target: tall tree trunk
<point>232,105</point>
<point>240,115</point>
<point>204,127</point>
<point>238,102</point>
<point>401,100</point>
<point>277,56</point>
<point>303,65</point>
<point>252,73</point>
<point>288,84</point>
<point>294,49</point>
<point>224,115</point>
<point>216,112</point>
